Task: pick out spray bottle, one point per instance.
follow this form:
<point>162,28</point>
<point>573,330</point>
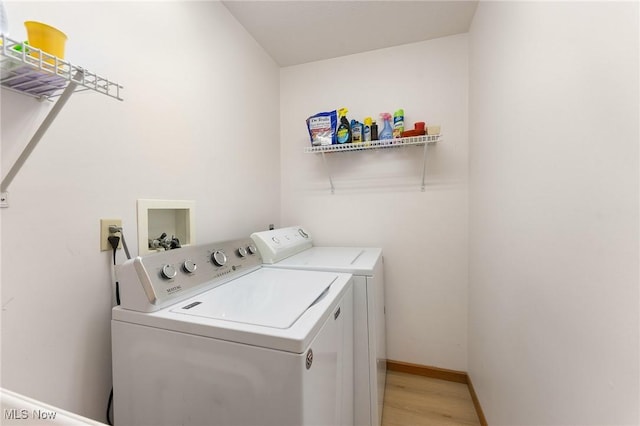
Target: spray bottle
<point>344,129</point>
<point>387,131</point>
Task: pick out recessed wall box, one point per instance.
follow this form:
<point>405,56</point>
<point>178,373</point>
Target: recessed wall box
<point>172,217</point>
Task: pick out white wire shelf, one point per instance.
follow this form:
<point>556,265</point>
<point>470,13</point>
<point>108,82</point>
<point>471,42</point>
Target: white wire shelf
<point>381,144</point>
<point>385,143</point>
<point>35,73</point>
<point>38,74</point>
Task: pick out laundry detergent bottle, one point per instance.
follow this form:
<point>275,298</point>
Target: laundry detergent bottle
<point>387,131</point>
<point>343,134</point>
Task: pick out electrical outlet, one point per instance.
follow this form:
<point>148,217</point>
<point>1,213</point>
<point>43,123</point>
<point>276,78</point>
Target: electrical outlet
<point>104,233</point>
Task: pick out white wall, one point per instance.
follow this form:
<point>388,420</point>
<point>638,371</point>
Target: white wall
<point>200,121</point>
<point>553,297</point>
<point>378,201</point>
<point>553,319</point>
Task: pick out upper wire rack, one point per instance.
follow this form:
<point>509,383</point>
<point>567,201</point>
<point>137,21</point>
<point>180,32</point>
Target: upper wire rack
<point>36,73</point>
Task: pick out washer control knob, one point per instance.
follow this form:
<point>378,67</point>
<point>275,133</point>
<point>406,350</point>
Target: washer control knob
<point>275,240</point>
<point>252,249</point>
<point>304,234</point>
<point>219,258</point>
<point>169,272</point>
<point>189,266</point>
<point>242,252</point>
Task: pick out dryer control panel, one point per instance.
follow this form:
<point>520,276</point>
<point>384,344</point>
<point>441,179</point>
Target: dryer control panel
<point>279,244</point>
<point>152,282</point>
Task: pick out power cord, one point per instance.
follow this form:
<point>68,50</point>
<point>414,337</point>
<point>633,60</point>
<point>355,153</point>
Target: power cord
<point>118,229</point>
<point>109,407</point>
<point>114,241</point>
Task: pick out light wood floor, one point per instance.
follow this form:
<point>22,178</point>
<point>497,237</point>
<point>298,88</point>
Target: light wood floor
<point>412,400</point>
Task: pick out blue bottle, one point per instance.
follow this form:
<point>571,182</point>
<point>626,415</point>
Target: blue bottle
<point>357,131</point>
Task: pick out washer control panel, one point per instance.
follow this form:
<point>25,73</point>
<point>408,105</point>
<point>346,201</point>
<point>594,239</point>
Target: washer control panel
<point>166,277</point>
<point>281,243</point>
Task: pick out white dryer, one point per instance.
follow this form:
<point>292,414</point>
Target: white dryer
<point>205,335</point>
<point>292,248</point>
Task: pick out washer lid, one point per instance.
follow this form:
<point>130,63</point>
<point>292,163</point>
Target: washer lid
<point>339,256</point>
<point>355,260</point>
<point>265,298</point>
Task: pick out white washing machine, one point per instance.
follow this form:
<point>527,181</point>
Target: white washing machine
<point>205,335</point>
<point>292,248</point>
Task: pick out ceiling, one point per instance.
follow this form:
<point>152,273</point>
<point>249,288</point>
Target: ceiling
<point>301,31</point>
